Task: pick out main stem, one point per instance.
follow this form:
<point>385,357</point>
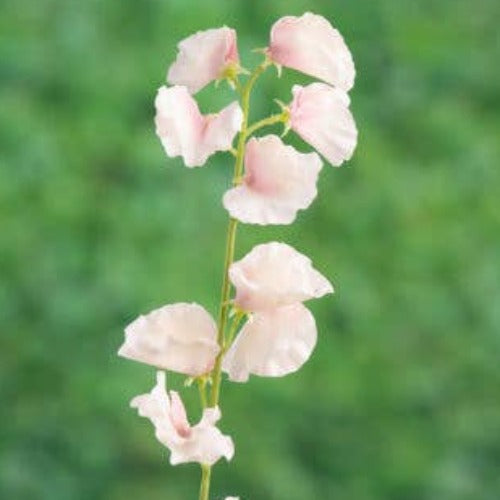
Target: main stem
<point>228,260</point>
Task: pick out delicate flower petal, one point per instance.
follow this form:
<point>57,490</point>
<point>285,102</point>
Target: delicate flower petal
<point>221,128</point>
<point>203,58</point>
<point>178,415</point>
<point>272,344</point>
<point>155,406</point>
<point>320,115</point>
<point>206,443</point>
<point>178,337</point>
<point>185,132</point>
<point>278,182</point>
<point>203,443</point>
<point>311,45</point>
<point>273,275</point>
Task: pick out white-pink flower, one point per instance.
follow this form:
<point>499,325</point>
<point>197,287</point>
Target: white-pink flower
<point>272,344</point>
<point>274,275</point>
<point>203,443</point>
<point>278,182</point>
<point>310,44</point>
<point>320,115</point>
<point>185,132</point>
<point>203,58</point>
<point>178,337</point>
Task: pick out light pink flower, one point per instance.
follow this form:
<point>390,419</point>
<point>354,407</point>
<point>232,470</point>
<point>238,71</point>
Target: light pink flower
<point>203,58</point>
<point>278,182</point>
<point>179,337</point>
<point>310,44</point>
<point>274,275</point>
<point>203,443</point>
<point>320,115</point>
<point>272,344</point>
<point>185,132</point>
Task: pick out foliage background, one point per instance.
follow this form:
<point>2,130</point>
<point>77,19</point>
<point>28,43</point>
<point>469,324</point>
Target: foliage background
<point>401,398</point>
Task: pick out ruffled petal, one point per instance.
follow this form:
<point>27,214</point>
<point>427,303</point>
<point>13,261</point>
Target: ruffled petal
<point>179,337</point>
<point>310,44</point>
<point>272,344</point>
<point>320,115</point>
<point>179,123</point>
<point>278,182</point>
<point>185,132</point>
<point>203,58</point>
<point>221,128</point>
<point>206,443</point>
<point>274,275</point>
<point>203,443</point>
<point>155,406</point>
<point>178,415</point>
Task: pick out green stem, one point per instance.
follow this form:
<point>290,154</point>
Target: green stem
<point>270,120</point>
<point>224,310</point>
<point>205,482</point>
<point>234,328</point>
<point>245,92</point>
<point>231,233</point>
<point>202,382</point>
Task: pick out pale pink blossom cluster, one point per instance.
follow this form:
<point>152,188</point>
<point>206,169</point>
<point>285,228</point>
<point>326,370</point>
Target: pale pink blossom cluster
<point>273,280</point>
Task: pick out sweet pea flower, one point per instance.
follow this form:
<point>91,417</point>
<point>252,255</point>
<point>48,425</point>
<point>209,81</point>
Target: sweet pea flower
<point>320,115</point>
<point>204,57</point>
<point>272,344</point>
<point>178,337</point>
<point>278,182</point>
<point>185,132</point>
<point>203,443</point>
<point>310,44</point>
<point>274,275</point>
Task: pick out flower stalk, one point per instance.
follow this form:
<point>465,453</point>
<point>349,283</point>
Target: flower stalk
<point>225,302</point>
<point>206,472</point>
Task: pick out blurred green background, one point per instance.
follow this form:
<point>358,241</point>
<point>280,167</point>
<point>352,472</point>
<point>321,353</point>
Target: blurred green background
<point>401,399</point>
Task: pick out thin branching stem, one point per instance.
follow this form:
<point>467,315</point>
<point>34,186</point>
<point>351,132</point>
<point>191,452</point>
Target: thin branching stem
<point>225,303</point>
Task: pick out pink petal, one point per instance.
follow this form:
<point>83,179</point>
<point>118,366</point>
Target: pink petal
<point>178,415</point>
<point>320,115</point>
<point>178,337</point>
<point>221,128</point>
<point>273,275</point>
<point>278,182</point>
<point>203,58</point>
<point>272,344</point>
<point>206,443</point>
<point>203,443</point>
<point>185,132</point>
<point>311,45</point>
<point>155,406</point>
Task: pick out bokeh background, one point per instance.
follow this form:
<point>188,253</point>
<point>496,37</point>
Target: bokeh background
<point>401,399</point>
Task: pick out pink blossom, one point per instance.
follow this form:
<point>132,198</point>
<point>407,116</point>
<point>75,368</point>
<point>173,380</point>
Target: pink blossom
<point>179,337</point>
<point>272,344</point>
<point>278,182</point>
<point>203,443</point>
<point>311,45</point>
<point>203,58</point>
<point>274,275</point>
<point>320,115</point>
<point>185,132</point>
